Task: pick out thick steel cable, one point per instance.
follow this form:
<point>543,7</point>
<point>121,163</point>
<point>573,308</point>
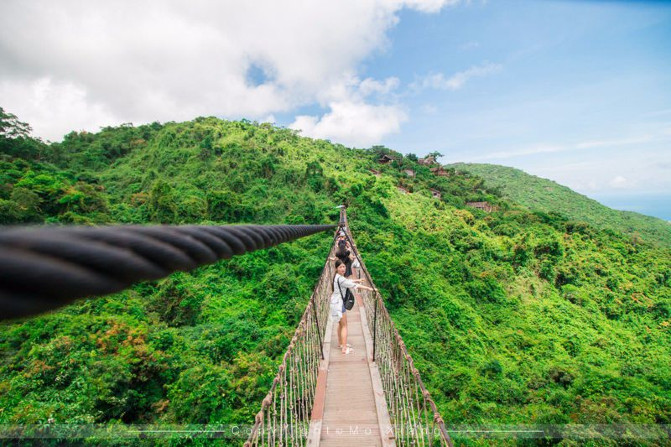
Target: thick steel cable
<point>43,268</point>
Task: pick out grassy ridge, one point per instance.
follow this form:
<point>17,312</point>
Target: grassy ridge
<point>545,195</point>
<point>512,317</point>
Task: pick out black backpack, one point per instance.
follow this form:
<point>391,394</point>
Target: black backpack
<point>348,297</point>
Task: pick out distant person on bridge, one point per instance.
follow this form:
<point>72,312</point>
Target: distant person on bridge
<point>344,254</point>
<point>340,284</point>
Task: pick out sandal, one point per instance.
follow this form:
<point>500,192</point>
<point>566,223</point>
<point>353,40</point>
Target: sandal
<point>348,350</point>
<point>348,345</point>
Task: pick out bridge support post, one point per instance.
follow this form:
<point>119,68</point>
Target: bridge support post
<point>375,324</point>
<point>343,216</point>
<point>319,333</point>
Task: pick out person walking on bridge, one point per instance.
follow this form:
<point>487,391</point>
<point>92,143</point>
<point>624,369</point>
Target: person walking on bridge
<point>345,255</point>
<point>338,311</point>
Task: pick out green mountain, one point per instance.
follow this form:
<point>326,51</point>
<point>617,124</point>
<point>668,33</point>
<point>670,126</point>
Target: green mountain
<point>513,316</point>
<point>541,194</point>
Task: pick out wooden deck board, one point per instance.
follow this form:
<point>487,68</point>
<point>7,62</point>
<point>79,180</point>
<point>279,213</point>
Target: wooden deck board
<point>350,413</point>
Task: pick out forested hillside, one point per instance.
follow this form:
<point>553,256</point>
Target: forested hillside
<point>512,316</point>
<point>545,195</point>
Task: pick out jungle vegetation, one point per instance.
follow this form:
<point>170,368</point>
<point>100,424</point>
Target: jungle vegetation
<point>513,316</point>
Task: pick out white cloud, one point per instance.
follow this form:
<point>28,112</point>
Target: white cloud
<point>268,119</point>
<point>369,86</point>
<point>590,185</point>
<point>429,109</point>
<point>353,123</point>
<point>472,45</point>
<point>531,150</point>
<point>596,166</point>
<point>54,107</point>
<point>659,135</point>
<point>430,5</point>
<point>351,119</point>
<point>610,143</point>
<point>594,172</point>
<point>457,80</point>
<point>149,60</point>
<point>620,182</point>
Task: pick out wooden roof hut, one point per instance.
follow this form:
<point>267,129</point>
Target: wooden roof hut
<point>484,206</point>
<point>439,171</point>
<point>427,161</point>
<point>384,159</point>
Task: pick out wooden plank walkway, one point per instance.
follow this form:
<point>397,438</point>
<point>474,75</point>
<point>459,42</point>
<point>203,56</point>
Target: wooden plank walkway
<point>350,396</point>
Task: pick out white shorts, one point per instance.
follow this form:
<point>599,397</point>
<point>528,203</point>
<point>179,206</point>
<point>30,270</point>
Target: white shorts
<point>337,309</point>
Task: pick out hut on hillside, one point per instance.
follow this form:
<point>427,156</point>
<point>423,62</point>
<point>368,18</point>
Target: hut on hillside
<point>439,171</point>
<point>402,189</point>
<point>409,172</point>
<point>435,193</point>
<point>427,161</point>
<point>484,206</point>
<point>375,172</point>
<point>385,159</point>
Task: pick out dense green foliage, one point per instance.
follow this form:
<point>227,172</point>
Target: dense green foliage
<point>512,317</point>
<point>548,196</point>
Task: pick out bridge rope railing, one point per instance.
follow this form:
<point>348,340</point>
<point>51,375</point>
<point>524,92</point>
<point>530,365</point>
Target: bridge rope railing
<point>413,413</point>
<point>284,418</point>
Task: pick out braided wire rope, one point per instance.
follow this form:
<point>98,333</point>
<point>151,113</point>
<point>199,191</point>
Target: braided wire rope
<point>413,413</point>
<point>43,268</point>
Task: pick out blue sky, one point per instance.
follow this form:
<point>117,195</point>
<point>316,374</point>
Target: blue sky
<point>579,92</point>
<point>575,91</point>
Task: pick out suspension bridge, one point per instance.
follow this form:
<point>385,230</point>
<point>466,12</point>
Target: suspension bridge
<point>373,396</point>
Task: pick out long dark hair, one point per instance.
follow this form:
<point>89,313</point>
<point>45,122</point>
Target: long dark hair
<point>338,263</point>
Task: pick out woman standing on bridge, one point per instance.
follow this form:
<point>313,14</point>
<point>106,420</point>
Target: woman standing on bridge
<point>340,285</point>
